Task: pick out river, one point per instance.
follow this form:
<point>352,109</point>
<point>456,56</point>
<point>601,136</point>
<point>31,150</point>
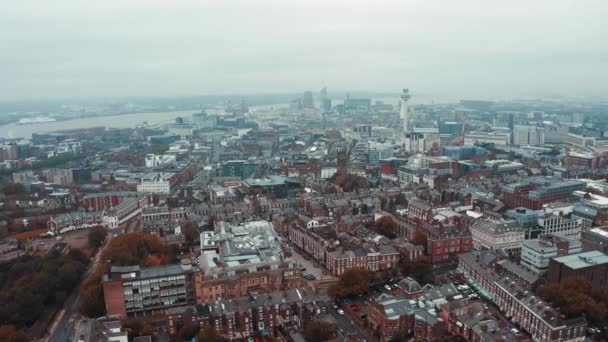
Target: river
<point>115,121</point>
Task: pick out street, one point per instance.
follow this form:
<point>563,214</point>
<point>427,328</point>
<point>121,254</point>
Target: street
<point>70,319</point>
<point>310,264</point>
<point>348,323</point>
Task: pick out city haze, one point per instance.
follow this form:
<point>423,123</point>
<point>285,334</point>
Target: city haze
<point>445,50</point>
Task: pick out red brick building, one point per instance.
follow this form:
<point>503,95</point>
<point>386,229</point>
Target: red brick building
<point>106,200</point>
<point>245,317</point>
<point>444,242</point>
<point>592,265</point>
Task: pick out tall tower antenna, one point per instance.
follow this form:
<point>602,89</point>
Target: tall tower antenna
<point>404,113</point>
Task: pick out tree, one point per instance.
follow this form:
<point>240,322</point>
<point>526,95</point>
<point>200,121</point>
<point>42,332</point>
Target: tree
<point>400,338</point>
<point>354,281</point>
<point>30,283</point>
<point>420,269</point>
<point>208,334</point>
<point>385,226</point>
<point>135,249</point>
<point>78,256</point>
<point>9,333</point>
<point>349,182</point>
<point>13,189</point>
<point>191,233</point>
<point>318,331</point>
<point>91,295</point>
<point>575,297</point>
<point>419,238</point>
<point>97,236</point>
<point>453,338</point>
<point>400,199</point>
<point>124,250</point>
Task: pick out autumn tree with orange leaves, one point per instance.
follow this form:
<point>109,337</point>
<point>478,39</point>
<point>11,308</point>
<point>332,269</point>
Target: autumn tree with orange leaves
<point>124,250</point>
<point>576,297</point>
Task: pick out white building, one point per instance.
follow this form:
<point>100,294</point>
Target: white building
<point>383,133</point>
<point>496,138</point>
<point>153,160</point>
<point>156,182</point>
<point>328,171</point>
<point>420,142</point>
<point>506,235</point>
<point>69,146</point>
<point>558,219</point>
<point>536,253</point>
<point>528,135</point>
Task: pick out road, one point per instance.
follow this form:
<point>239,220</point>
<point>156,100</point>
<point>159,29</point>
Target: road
<point>309,265</point>
<point>69,319</point>
<point>347,324</point>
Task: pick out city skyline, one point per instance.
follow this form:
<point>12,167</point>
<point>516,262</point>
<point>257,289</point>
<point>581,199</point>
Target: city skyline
<point>450,51</point>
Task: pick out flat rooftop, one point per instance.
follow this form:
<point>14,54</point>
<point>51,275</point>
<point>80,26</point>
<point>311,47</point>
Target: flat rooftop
<point>582,260</point>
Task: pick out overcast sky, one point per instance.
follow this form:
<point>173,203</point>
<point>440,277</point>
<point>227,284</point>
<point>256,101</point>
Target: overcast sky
<point>443,48</point>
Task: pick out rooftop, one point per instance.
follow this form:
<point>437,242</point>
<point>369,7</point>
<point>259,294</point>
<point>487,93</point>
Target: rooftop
<point>582,260</point>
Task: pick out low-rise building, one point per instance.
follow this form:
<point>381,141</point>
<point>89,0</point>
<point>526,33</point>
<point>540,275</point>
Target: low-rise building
<point>558,219</point>
<point>74,221</point>
<point>536,253</point>
<point>244,317</point>
<point>592,266</point>
<point>505,235</point>
<point>135,292</point>
<point>595,239</point>
<point>543,322</point>
<point>245,259</point>
<point>156,182</point>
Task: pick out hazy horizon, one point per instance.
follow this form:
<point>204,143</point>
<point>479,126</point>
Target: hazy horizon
<point>444,50</point>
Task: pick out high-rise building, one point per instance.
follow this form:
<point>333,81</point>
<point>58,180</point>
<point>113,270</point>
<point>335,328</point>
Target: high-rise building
<point>307,100</point>
<point>404,112</point>
<point>324,102</point>
<point>528,135</point>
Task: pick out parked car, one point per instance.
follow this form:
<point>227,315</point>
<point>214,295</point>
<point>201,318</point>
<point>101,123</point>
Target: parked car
<point>387,287</point>
<point>355,307</point>
<point>310,277</point>
<point>340,311</point>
